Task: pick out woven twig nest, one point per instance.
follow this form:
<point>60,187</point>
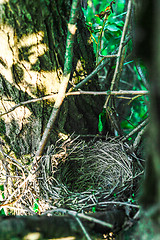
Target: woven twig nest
<point>74,175</point>
<point>74,172</point>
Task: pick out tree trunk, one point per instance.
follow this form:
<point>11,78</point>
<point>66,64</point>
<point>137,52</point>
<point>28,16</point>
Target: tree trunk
<point>151,29</point>
<point>148,48</point>
<point>33,35</point>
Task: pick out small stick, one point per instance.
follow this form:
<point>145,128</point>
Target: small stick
<point>83,228</point>
<point>136,129</point>
<point>80,92</point>
<point>120,50</point>
<point>65,78</point>
<point>81,215</point>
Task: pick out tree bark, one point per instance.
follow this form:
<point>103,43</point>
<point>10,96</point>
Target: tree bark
<point>151,195</point>
<point>33,36</point>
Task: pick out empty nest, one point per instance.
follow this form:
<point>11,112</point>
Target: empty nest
<point>80,175</point>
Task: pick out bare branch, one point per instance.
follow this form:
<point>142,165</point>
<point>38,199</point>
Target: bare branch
<point>83,228</point>
<point>138,138</point>
<point>80,92</point>
<point>91,75</point>
<point>135,129</point>
<point>120,204</point>
<point>27,102</point>
<point>121,45</point>
<point>118,93</point>
<point>83,216</point>
<point>66,75</point>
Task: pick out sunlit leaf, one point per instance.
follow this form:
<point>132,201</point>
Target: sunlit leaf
<point>113,28</point>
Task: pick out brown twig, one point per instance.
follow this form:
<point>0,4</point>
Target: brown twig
<point>83,228</point>
<point>135,129</point>
<point>33,100</point>
<point>120,204</point>
<point>120,50</point>
<point>138,138</point>
<point>80,92</point>
<point>81,215</point>
<point>65,78</point>
<point>115,93</point>
<point>91,75</point>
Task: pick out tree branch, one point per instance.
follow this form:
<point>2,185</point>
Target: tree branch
<point>135,129</point>
<point>115,93</point>
<point>66,74</point>
<point>80,92</point>
<point>121,45</point>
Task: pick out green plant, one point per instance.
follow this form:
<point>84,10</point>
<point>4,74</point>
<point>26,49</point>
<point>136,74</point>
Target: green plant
<point>2,212</point>
<point>36,205</point>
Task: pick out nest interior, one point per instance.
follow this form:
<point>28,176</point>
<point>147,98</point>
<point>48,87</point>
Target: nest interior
<point>79,175</point>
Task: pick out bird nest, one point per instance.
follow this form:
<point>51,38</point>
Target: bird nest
<point>79,175</point>
<point>73,174</point>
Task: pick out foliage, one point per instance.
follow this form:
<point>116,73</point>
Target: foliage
<point>111,36</point>
<point>2,212</point>
<point>36,206</point>
<point>113,27</point>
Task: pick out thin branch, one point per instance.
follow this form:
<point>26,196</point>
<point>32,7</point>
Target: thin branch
<point>65,78</point>
<point>138,138</point>
<point>120,203</point>
<point>118,93</point>
<point>121,43</point>
<point>120,49</point>
<point>83,228</point>
<point>141,74</point>
<point>107,56</point>
<point>80,215</point>
<point>33,100</point>
<point>80,92</point>
<point>12,159</point>
<point>91,75</point>
<point>100,38</point>
<point>135,129</point>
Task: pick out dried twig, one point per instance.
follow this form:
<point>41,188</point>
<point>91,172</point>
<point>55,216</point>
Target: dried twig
<point>138,138</point>
<point>120,50</point>
<point>80,92</point>
<point>12,159</point>
<point>120,204</point>
<point>91,75</point>
<point>65,78</point>
<point>83,228</point>
<point>81,215</point>
<point>115,93</point>
<point>28,102</point>
<point>135,129</point>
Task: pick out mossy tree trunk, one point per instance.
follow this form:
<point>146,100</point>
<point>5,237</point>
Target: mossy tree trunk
<point>148,48</point>
<point>33,37</point>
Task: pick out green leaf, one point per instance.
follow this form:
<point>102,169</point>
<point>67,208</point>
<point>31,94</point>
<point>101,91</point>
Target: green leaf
<point>2,187</point>
<point>102,120</point>
<point>35,208</point>
<point>108,35</point>
<point>113,28</point>
<point>119,23</point>
<point>2,212</point>
<point>93,209</point>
